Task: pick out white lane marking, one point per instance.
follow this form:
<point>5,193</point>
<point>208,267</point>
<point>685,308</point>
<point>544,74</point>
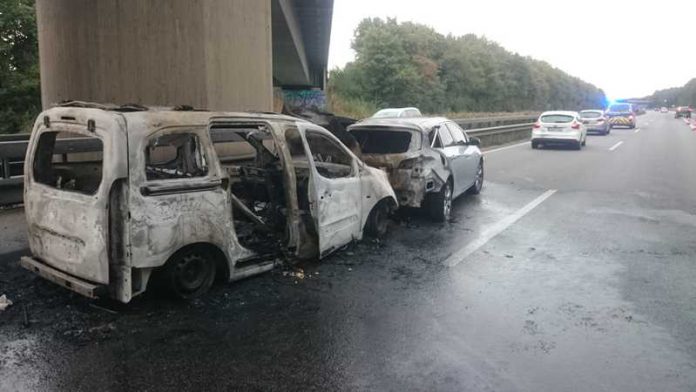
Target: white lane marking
<point>490,232</point>
<point>637,130</point>
<point>615,146</point>
<point>506,147</point>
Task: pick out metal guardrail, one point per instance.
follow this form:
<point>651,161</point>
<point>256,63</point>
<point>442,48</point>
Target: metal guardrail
<point>492,131</point>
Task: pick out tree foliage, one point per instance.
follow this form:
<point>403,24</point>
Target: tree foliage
<point>679,96</point>
<point>20,95</point>
<point>408,64</point>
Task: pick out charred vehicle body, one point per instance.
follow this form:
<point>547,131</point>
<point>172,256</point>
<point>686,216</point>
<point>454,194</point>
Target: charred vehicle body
<point>115,196</point>
<point>430,161</point>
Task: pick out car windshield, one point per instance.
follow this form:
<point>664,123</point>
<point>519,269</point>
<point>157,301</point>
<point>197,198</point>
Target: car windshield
<point>556,118</point>
<point>591,114</point>
<point>620,108</point>
<point>383,141</point>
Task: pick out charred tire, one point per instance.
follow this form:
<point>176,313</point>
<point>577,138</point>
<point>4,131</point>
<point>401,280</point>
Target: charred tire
<point>377,223</point>
<point>584,141</point>
<point>535,145</point>
<point>439,205</point>
<point>577,145</point>
<point>189,273</point>
<point>478,184</point>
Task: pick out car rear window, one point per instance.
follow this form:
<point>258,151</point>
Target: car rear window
<point>69,161</point>
<point>593,114</point>
<point>382,141</point>
<point>557,118</point>
<point>620,108</point>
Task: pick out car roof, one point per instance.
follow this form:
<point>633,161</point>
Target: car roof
<point>559,112</point>
<point>160,117</point>
<point>591,110</point>
<point>424,124</point>
<point>398,109</point>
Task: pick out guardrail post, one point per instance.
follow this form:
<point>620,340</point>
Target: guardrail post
<point>5,168</point>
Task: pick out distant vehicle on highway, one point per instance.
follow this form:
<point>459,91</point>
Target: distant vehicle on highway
<point>595,121</point>
<point>664,110</point>
<point>397,113</point>
<point>430,160</point>
<point>559,127</point>
<point>621,114</point>
<point>683,111</point>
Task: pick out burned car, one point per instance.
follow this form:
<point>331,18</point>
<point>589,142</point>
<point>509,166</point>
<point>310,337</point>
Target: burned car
<point>430,161</point>
<point>116,197</point>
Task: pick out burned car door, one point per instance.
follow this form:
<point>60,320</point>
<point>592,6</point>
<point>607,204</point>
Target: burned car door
<point>73,163</point>
<point>177,195</point>
<point>334,189</point>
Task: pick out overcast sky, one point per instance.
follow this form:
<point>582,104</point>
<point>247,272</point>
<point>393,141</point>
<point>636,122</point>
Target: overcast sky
<point>628,48</point>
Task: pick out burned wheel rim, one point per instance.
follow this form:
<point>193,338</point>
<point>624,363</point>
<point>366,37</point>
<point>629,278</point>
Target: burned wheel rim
<point>191,273</point>
<point>380,221</point>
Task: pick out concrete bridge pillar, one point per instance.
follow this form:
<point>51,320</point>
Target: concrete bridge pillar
<point>214,54</point>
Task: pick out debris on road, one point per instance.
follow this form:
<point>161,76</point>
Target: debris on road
<point>4,302</point>
<point>91,305</point>
<point>298,273</point>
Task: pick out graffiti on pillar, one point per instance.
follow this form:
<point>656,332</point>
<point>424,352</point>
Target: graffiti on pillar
<point>305,99</point>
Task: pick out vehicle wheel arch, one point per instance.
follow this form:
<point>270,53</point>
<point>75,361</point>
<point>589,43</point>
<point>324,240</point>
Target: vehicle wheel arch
<point>222,265</point>
<point>387,202</point>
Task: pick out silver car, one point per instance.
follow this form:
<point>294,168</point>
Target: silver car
<point>430,161</point>
<point>595,121</point>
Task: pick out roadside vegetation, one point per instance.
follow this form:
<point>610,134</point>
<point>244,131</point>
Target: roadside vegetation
<point>677,96</point>
<point>20,93</point>
<point>409,64</point>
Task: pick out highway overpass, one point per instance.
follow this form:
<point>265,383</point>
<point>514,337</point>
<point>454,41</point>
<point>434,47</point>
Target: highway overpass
<point>215,54</point>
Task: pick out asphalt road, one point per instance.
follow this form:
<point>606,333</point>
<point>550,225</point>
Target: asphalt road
<point>572,271</point>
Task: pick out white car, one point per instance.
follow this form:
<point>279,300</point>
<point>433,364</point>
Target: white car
<point>664,110</point>
<point>559,127</point>
<point>397,113</point>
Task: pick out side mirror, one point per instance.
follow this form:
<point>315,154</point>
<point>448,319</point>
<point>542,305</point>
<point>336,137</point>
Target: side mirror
<point>474,141</point>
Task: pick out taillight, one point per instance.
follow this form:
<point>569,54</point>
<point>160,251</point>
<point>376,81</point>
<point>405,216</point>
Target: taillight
<point>575,125</point>
<point>537,125</point>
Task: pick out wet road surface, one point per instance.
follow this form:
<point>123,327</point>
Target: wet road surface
<point>572,271</point>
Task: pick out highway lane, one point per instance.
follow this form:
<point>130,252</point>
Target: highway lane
<point>581,280</point>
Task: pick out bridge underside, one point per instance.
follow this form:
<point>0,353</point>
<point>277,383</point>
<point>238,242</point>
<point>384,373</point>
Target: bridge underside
<point>215,54</point>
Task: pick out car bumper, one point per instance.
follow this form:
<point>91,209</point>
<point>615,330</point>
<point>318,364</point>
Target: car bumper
<point>622,121</point>
<point>598,128</point>
<point>556,137</point>
<point>70,282</point>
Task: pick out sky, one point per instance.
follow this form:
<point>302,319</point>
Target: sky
<point>628,48</point>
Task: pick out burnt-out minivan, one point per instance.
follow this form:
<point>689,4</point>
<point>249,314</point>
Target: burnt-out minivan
<point>120,196</point>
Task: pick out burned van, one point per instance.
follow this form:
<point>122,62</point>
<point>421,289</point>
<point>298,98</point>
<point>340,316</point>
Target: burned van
<point>119,196</point>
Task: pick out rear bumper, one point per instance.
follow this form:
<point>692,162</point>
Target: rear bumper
<point>556,137</point>
<point>622,121</point>
<point>598,128</point>
<point>555,140</point>
<point>70,282</point>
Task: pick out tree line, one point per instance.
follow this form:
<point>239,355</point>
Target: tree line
<point>678,96</point>
<point>409,64</point>
<point>20,92</point>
